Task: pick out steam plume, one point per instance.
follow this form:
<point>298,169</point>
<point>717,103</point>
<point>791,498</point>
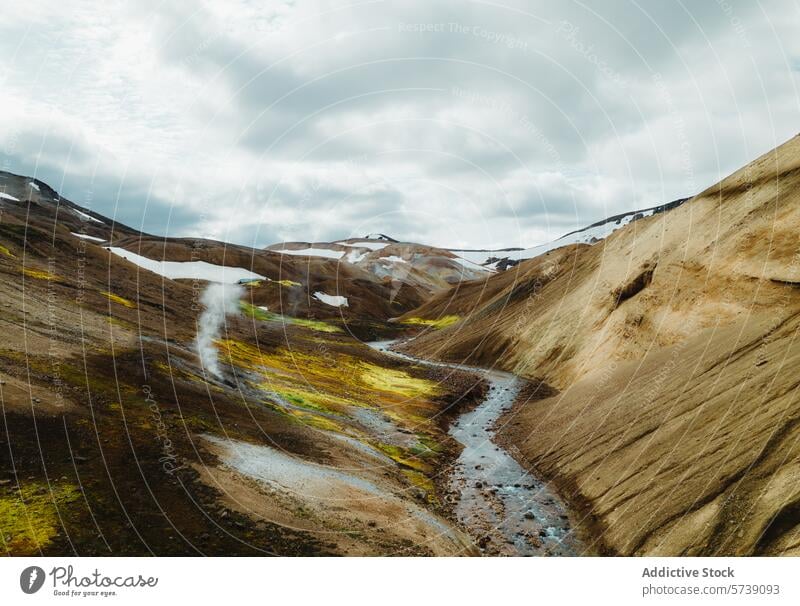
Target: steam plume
<point>218,300</point>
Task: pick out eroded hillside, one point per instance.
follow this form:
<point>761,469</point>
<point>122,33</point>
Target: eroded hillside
<point>673,344</point>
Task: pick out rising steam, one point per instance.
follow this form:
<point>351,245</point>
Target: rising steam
<point>219,300</point>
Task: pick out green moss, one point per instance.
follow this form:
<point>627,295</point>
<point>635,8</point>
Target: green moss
<point>437,323</point>
<point>30,515</point>
<point>426,447</point>
<point>262,315</point>
<point>303,400</point>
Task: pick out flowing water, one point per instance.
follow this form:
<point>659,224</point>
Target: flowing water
<point>505,508</point>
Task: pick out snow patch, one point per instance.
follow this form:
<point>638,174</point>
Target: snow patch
<point>354,256</point>
<point>84,217</point>
<point>187,270</point>
<point>87,237</point>
<point>332,300</point>
<point>590,235</point>
<point>370,245</point>
<point>5,196</point>
<point>473,266</point>
<point>33,185</point>
<point>313,252</point>
<point>393,259</point>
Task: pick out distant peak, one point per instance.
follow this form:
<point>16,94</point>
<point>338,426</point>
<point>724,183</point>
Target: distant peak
<point>383,237</point>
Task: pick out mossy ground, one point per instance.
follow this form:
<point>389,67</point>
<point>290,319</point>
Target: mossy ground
<point>397,381</point>
<point>115,449</point>
<point>309,382</point>
<point>435,323</point>
<point>30,516</point>
<point>263,315</point>
<point>323,386</point>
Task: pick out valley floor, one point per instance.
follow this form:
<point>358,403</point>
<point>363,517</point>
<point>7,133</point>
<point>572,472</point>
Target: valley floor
<point>312,443</point>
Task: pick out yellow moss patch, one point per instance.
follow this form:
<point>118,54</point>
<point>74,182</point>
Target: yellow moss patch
<point>276,363</point>
<point>314,325</point>
<point>397,381</point>
<point>402,457</point>
<point>422,482</point>
<point>323,388</point>
<point>437,323</point>
<point>287,283</point>
<point>317,421</point>
<point>6,252</point>
<point>39,275</point>
<point>118,299</point>
<point>335,379</point>
<point>29,516</point>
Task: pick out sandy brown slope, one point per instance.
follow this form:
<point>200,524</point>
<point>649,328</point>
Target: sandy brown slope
<point>674,346</point>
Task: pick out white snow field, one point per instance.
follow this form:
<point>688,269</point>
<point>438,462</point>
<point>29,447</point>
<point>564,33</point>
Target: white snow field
<point>312,252</point>
<point>188,270</point>
<point>332,300</point>
<point>87,237</point>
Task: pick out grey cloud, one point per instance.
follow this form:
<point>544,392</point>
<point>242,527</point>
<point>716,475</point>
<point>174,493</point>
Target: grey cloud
<point>569,89</point>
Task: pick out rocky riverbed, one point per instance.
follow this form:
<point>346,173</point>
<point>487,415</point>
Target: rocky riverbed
<point>504,507</point>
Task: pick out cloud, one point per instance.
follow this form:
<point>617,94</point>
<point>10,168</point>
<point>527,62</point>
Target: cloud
<point>452,123</point>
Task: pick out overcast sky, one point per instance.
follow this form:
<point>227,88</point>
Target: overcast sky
<point>462,124</point>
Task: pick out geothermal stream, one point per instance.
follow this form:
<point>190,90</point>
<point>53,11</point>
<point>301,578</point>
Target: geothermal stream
<point>504,508</point>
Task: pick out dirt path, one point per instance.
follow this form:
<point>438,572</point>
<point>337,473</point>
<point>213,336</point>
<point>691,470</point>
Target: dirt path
<point>505,509</point>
